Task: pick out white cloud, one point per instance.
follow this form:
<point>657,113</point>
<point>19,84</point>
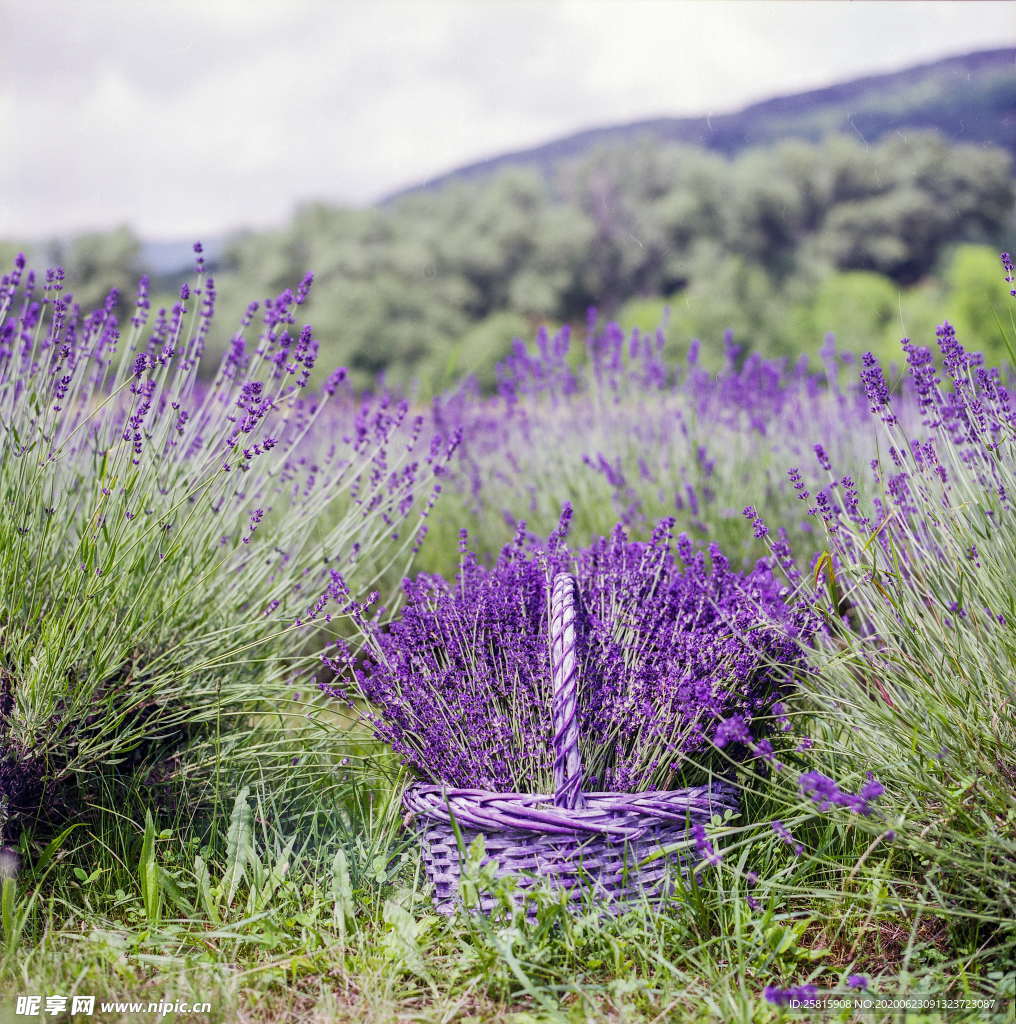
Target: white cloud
<point>190,118</point>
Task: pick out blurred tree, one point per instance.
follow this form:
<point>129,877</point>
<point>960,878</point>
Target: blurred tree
<point>857,306</point>
<point>98,261</point>
<point>978,300</point>
<point>766,215</point>
<point>475,354</point>
<point>617,191</point>
<point>781,243</point>
<point>938,195</point>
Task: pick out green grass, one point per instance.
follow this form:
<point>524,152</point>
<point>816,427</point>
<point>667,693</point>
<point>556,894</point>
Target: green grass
<point>279,892</point>
<point>321,915</point>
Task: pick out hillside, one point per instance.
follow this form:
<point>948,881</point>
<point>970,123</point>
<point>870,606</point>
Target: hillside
<point>968,98</point>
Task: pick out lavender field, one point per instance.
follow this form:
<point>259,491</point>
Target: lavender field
<point>245,604</point>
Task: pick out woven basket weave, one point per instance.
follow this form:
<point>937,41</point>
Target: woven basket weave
<point>591,844</point>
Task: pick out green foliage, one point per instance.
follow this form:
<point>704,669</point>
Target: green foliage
<point>922,195</point>
<point>975,305</point>
<point>476,353</point>
<point>857,305</point>
<point>330,919</point>
<point>864,310</point>
<point>412,287</point>
<point>97,262</point>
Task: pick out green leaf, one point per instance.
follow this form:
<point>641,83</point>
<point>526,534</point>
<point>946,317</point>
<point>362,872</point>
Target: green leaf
<point>239,846</point>
<point>7,915</point>
<point>205,891</point>
<point>342,891</point>
<point>148,871</point>
<point>50,851</point>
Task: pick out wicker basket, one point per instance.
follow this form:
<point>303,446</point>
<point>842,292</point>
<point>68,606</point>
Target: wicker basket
<point>591,844</point>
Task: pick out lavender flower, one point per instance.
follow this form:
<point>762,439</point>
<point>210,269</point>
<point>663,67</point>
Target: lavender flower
<point>796,479</point>
<point>875,387</point>
<point>827,794</point>
<point>785,996</point>
<point>731,730</point>
<point>784,833</point>
<point>674,656</point>
<point>160,476</point>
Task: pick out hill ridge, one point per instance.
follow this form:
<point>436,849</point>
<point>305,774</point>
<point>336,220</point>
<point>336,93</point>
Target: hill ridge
<point>730,132</point>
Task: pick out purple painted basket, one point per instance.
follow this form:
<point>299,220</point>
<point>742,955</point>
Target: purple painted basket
<point>591,844</point>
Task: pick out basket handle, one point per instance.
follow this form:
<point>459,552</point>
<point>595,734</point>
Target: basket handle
<point>564,661</point>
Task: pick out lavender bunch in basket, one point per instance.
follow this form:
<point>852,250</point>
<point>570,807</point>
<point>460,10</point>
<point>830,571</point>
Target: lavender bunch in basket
<point>670,644</point>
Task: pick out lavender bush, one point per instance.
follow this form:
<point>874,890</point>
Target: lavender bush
<point>914,668</point>
<point>165,539</point>
<point>613,423</point>
<point>671,644</point>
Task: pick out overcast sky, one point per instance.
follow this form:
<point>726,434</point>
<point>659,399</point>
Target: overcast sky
<point>187,118</point>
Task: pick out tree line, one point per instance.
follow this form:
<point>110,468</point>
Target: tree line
<point>775,242</point>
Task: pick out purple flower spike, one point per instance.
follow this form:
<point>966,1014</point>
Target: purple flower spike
<point>732,730</point>
<point>785,996</point>
<point>875,387</point>
<point>1007,266</point>
<point>827,793</point>
<point>784,833</point>
<point>674,654</point>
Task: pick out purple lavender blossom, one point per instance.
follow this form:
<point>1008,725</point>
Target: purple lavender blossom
<point>785,996</point>
<point>784,833</point>
<point>795,478</point>
<point>825,792</point>
<point>875,387</point>
<point>760,528</point>
<point>731,730</point>
<point>1009,275</point>
<point>672,656</point>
